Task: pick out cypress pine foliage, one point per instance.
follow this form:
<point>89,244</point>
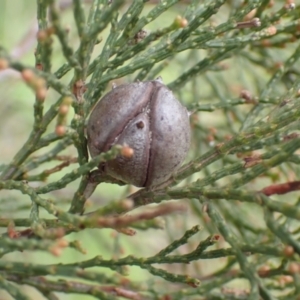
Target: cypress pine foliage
<point>232,228</point>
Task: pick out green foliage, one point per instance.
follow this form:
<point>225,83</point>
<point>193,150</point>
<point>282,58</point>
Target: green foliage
<point>234,64</point>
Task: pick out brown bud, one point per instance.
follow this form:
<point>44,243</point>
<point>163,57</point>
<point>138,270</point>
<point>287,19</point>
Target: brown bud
<point>3,64</point>
<point>63,109</point>
<point>28,75</point>
<point>271,30</point>
<point>60,130</point>
<point>42,35</point>
<point>294,268</point>
<point>288,251</point>
<point>41,94</point>
<point>181,22</point>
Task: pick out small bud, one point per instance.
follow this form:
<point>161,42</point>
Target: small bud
<point>60,130</point>
<point>3,64</point>
<point>41,94</point>
<point>62,243</point>
<point>127,151</point>
<point>63,109</point>
<point>294,268</point>
<point>42,35</point>
<point>28,75</point>
<point>59,232</point>
<point>290,5</point>
<point>39,83</point>
<point>288,251</point>
<point>263,271</point>
<point>56,251</point>
<point>245,94</point>
<point>181,22</point>
<point>285,279</point>
<point>271,30</point>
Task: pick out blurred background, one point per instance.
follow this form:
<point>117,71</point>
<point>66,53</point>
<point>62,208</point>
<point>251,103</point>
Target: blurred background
<point>18,27</point>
